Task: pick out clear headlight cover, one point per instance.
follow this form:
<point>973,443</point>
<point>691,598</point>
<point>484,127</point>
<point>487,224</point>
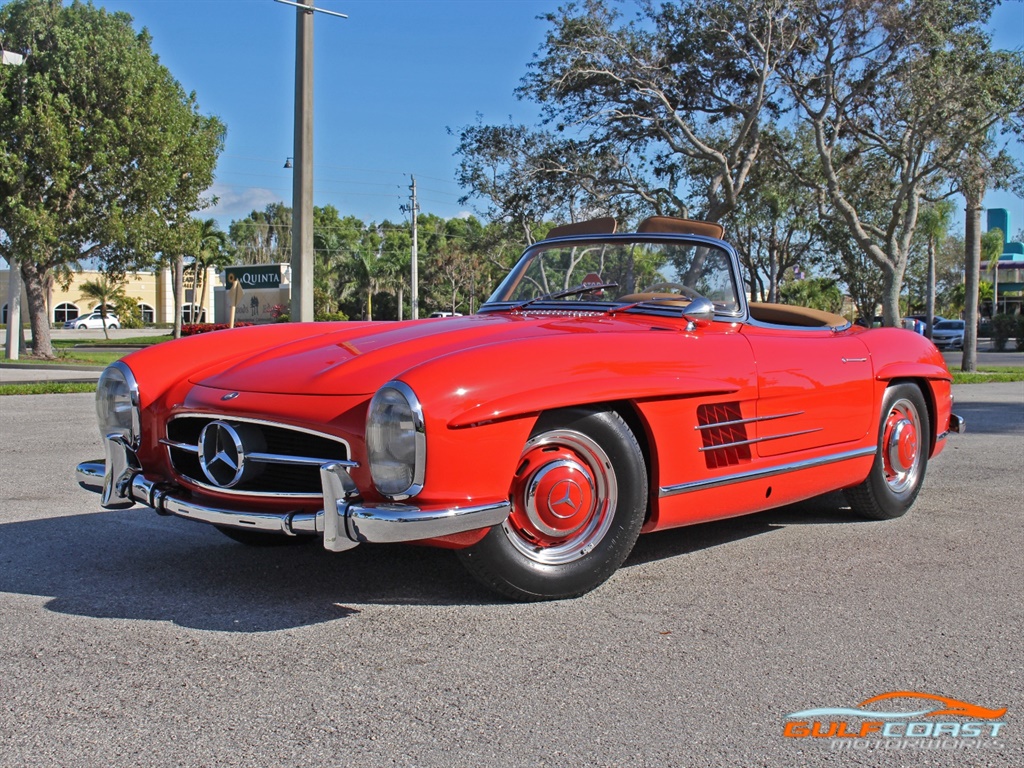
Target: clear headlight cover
<point>117,403</point>
<point>396,441</point>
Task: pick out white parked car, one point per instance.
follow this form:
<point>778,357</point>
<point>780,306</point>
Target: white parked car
<point>949,334</point>
<point>92,320</point>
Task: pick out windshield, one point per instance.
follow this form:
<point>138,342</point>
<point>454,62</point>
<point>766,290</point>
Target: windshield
<point>621,271</point>
<point>950,325</point>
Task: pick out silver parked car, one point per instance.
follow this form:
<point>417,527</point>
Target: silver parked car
<point>949,334</point>
<point>93,320</point>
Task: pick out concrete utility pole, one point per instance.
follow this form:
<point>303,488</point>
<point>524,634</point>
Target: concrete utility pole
<point>302,181</point>
<point>15,333</point>
<point>414,295</point>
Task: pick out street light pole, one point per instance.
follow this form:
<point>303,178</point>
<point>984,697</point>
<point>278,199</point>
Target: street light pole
<point>414,296</point>
<point>302,181</point>
<point>15,334</point>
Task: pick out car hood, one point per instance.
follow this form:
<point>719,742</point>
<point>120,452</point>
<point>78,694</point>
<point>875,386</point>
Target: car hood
<point>357,358</point>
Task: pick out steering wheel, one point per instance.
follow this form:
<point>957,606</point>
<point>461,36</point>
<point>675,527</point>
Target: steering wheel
<point>673,288</point>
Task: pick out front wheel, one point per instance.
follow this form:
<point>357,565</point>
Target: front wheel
<point>904,439</point>
<point>578,496</point>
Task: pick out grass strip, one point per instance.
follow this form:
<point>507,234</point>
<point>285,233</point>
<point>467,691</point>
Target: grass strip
<point>989,375</point>
<point>48,388</point>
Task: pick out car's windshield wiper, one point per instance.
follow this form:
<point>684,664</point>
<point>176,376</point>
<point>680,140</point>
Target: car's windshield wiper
<point>574,291</point>
<point>652,300</point>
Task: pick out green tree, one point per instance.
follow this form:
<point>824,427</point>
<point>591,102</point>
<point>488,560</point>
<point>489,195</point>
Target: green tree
<point>774,227</point>
<point>335,240</point>
<point>395,255</point>
<point>893,91</point>
<point>101,151</point>
<point>673,103</point>
<point>815,292</point>
<point>211,251</point>
<point>263,237</point>
<point>106,291</point>
<point>934,224</point>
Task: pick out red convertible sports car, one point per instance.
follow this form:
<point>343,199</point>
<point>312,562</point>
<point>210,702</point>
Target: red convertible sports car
<point>613,384</point>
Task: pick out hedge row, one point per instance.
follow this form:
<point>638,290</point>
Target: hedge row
<point>191,329</point>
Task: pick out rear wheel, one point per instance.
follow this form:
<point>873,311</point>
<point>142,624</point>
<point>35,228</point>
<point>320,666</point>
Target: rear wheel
<point>578,500</point>
<point>900,460</point>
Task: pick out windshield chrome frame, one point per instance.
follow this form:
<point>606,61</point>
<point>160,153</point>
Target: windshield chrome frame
<point>740,315</point>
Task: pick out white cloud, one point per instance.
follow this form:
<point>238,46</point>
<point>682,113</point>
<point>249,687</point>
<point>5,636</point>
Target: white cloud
<point>236,203</point>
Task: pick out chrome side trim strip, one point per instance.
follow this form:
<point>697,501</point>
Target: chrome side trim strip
<point>751,420</point>
<point>757,474</point>
<point>757,440</point>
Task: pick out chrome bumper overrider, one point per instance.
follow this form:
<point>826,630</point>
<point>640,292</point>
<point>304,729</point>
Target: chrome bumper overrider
<point>956,426</point>
<point>344,522</point>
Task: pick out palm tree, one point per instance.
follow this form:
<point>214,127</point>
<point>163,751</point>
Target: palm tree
<point>392,268</point>
<point>104,290</point>
<point>211,252</point>
<point>934,223</point>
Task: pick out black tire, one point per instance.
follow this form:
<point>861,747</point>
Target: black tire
<point>579,497</point>
<point>904,442</point>
<point>255,538</point>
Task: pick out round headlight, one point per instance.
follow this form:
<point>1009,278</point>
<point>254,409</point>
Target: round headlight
<point>396,441</point>
<point>117,403</point>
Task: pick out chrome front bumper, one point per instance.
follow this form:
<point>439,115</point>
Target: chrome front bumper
<point>344,522</point>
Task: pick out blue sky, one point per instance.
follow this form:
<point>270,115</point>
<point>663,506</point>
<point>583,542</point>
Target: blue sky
<point>389,81</point>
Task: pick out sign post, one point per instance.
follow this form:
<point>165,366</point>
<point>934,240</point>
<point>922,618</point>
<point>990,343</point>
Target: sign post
<point>235,294</point>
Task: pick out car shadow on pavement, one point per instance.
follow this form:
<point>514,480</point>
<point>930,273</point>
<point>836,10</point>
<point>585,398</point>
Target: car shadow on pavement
<point>830,509</point>
<point>992,418</point>
<point>133,564</point>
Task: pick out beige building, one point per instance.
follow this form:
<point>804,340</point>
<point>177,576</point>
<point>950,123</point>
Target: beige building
<point>154,292</point>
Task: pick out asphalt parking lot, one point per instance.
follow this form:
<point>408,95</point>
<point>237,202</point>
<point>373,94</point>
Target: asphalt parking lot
<point>134,640</point>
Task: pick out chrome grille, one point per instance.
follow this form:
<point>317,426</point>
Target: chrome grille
<point>285,460</point>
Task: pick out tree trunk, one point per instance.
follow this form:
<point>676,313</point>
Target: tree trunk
<point>39,318</point>
<point>972,274</point>
<point>929,303</point>
<point>892,285</point>
<point>178,276</point>
<point>198,293</point>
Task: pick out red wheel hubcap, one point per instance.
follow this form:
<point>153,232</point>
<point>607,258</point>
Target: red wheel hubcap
<point>901,447</point>
<point>564,497</point>
<point>554,495</point>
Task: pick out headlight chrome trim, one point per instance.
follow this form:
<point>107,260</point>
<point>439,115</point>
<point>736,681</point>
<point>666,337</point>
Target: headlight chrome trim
<point>419,439</point>
<point>135,438</point>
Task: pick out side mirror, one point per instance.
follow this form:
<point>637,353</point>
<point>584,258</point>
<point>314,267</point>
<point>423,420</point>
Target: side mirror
<point>699,312</point>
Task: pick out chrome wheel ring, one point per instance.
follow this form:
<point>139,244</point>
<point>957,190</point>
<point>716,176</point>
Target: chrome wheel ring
<point>902,456</point>
<point>563,496</point>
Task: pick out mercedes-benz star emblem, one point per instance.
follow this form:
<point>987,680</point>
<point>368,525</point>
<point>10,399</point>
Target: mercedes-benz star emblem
<point>220,454</point>
<point>565,498</point>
